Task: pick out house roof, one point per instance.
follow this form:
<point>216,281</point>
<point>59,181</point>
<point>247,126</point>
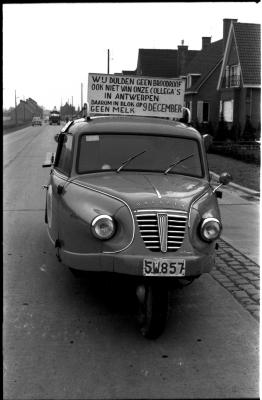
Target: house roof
<point>126,72</point>
<point>248,39</point>
<point>161,62</point>
<point>205,61</point>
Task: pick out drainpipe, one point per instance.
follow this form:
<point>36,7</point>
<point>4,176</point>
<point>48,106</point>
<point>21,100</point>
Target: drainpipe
<point>250,103</point>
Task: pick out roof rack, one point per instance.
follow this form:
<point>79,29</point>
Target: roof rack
<point>67,126</point>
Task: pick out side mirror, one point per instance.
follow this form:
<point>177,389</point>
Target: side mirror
<point>225,178</point>
<point>208,140</point>
<point>60,137</point>
<point>49,160</point>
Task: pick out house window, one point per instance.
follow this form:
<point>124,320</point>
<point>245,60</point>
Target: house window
<point>188,81</point>
<point>202,111</point>
<point>234,76</point>
<point>228,110</point>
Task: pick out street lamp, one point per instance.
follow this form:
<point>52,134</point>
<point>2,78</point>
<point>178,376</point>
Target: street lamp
<point>108,61</point>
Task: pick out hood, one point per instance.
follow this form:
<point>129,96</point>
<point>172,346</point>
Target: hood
<point>146,190</point>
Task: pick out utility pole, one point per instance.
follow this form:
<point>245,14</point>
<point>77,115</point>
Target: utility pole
<point>108,61</point>
<point>15,110</point>
<point>81,96</point>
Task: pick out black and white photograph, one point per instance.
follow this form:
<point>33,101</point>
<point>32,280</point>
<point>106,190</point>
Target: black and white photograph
<point>131,200</point>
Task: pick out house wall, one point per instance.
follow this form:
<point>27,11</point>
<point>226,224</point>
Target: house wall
<point>256,107</point>
<point>246,103</point>
<point>241,113</point>
<point>209,94</point>
<point>25,111</point>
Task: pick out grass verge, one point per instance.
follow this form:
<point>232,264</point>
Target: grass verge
<point>244,174</point>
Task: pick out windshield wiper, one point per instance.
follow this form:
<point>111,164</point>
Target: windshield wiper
<point>129,159</point>
<point>177,162</point>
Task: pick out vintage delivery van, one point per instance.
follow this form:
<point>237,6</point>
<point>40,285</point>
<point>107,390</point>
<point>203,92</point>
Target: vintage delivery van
<point>132,195</point>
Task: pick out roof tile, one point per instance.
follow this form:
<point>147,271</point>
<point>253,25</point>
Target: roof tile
<point>248,40</point>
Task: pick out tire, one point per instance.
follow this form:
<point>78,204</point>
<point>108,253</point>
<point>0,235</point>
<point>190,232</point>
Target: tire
<point>153,311</point>
<point>77,272</point>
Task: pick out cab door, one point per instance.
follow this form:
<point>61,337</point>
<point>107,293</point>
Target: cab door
<point>59,176</point>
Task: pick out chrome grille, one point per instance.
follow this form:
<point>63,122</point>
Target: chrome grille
<point>162,230</point>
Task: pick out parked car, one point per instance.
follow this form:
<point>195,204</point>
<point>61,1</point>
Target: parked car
<point>36,121</point>
<point>133,196</point>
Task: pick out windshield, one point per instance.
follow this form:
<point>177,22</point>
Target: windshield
<point>99,152</point>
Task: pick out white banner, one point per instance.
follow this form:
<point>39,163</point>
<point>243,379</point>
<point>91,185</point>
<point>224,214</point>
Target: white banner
<point>135,95</point>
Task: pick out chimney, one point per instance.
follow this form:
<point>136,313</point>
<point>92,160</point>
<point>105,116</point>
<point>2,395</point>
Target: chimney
<point>206,40</point>
<point>226,26</point>
<point>181,57</point>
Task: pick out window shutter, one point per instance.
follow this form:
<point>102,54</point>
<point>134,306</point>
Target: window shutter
<point>205,111</point>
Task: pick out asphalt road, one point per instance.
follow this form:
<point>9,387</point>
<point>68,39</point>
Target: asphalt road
<point>76,339</point>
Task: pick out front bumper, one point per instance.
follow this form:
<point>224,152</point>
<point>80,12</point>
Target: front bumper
<point>130,264</point>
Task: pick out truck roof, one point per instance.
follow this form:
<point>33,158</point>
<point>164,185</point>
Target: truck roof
<point>131,124</point>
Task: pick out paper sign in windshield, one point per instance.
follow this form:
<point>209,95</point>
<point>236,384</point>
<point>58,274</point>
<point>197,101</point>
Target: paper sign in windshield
<point>135,95</point>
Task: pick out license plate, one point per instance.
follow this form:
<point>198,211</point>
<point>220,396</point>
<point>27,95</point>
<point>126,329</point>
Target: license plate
<point>162,267</point>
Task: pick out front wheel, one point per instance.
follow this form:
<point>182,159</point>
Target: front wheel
<point>152,309</point>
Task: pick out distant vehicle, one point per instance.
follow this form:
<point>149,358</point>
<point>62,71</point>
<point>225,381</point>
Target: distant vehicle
<point>36,121</point>
<point>46,119</point>
<point>54,117</point>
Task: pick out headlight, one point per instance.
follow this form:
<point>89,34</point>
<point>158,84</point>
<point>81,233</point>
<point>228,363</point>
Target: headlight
<point>210,229</point>
<point>103,227</point>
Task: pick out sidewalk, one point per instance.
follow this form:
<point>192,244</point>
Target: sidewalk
<point>240,213</point>
<point>239,275</point>
<point>238,256</point>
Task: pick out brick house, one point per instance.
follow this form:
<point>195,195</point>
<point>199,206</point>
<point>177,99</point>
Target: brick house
<point>201,76</point>
<point>205,71</point>
<point>67,111</point>
<point>239,83</point>
<point>164,63</point>
<point>26,110</point>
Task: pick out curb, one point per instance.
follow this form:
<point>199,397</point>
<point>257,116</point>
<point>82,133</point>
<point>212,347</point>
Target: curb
<point>239,187</point>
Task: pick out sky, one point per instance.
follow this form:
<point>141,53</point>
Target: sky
<point>49,48</point>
